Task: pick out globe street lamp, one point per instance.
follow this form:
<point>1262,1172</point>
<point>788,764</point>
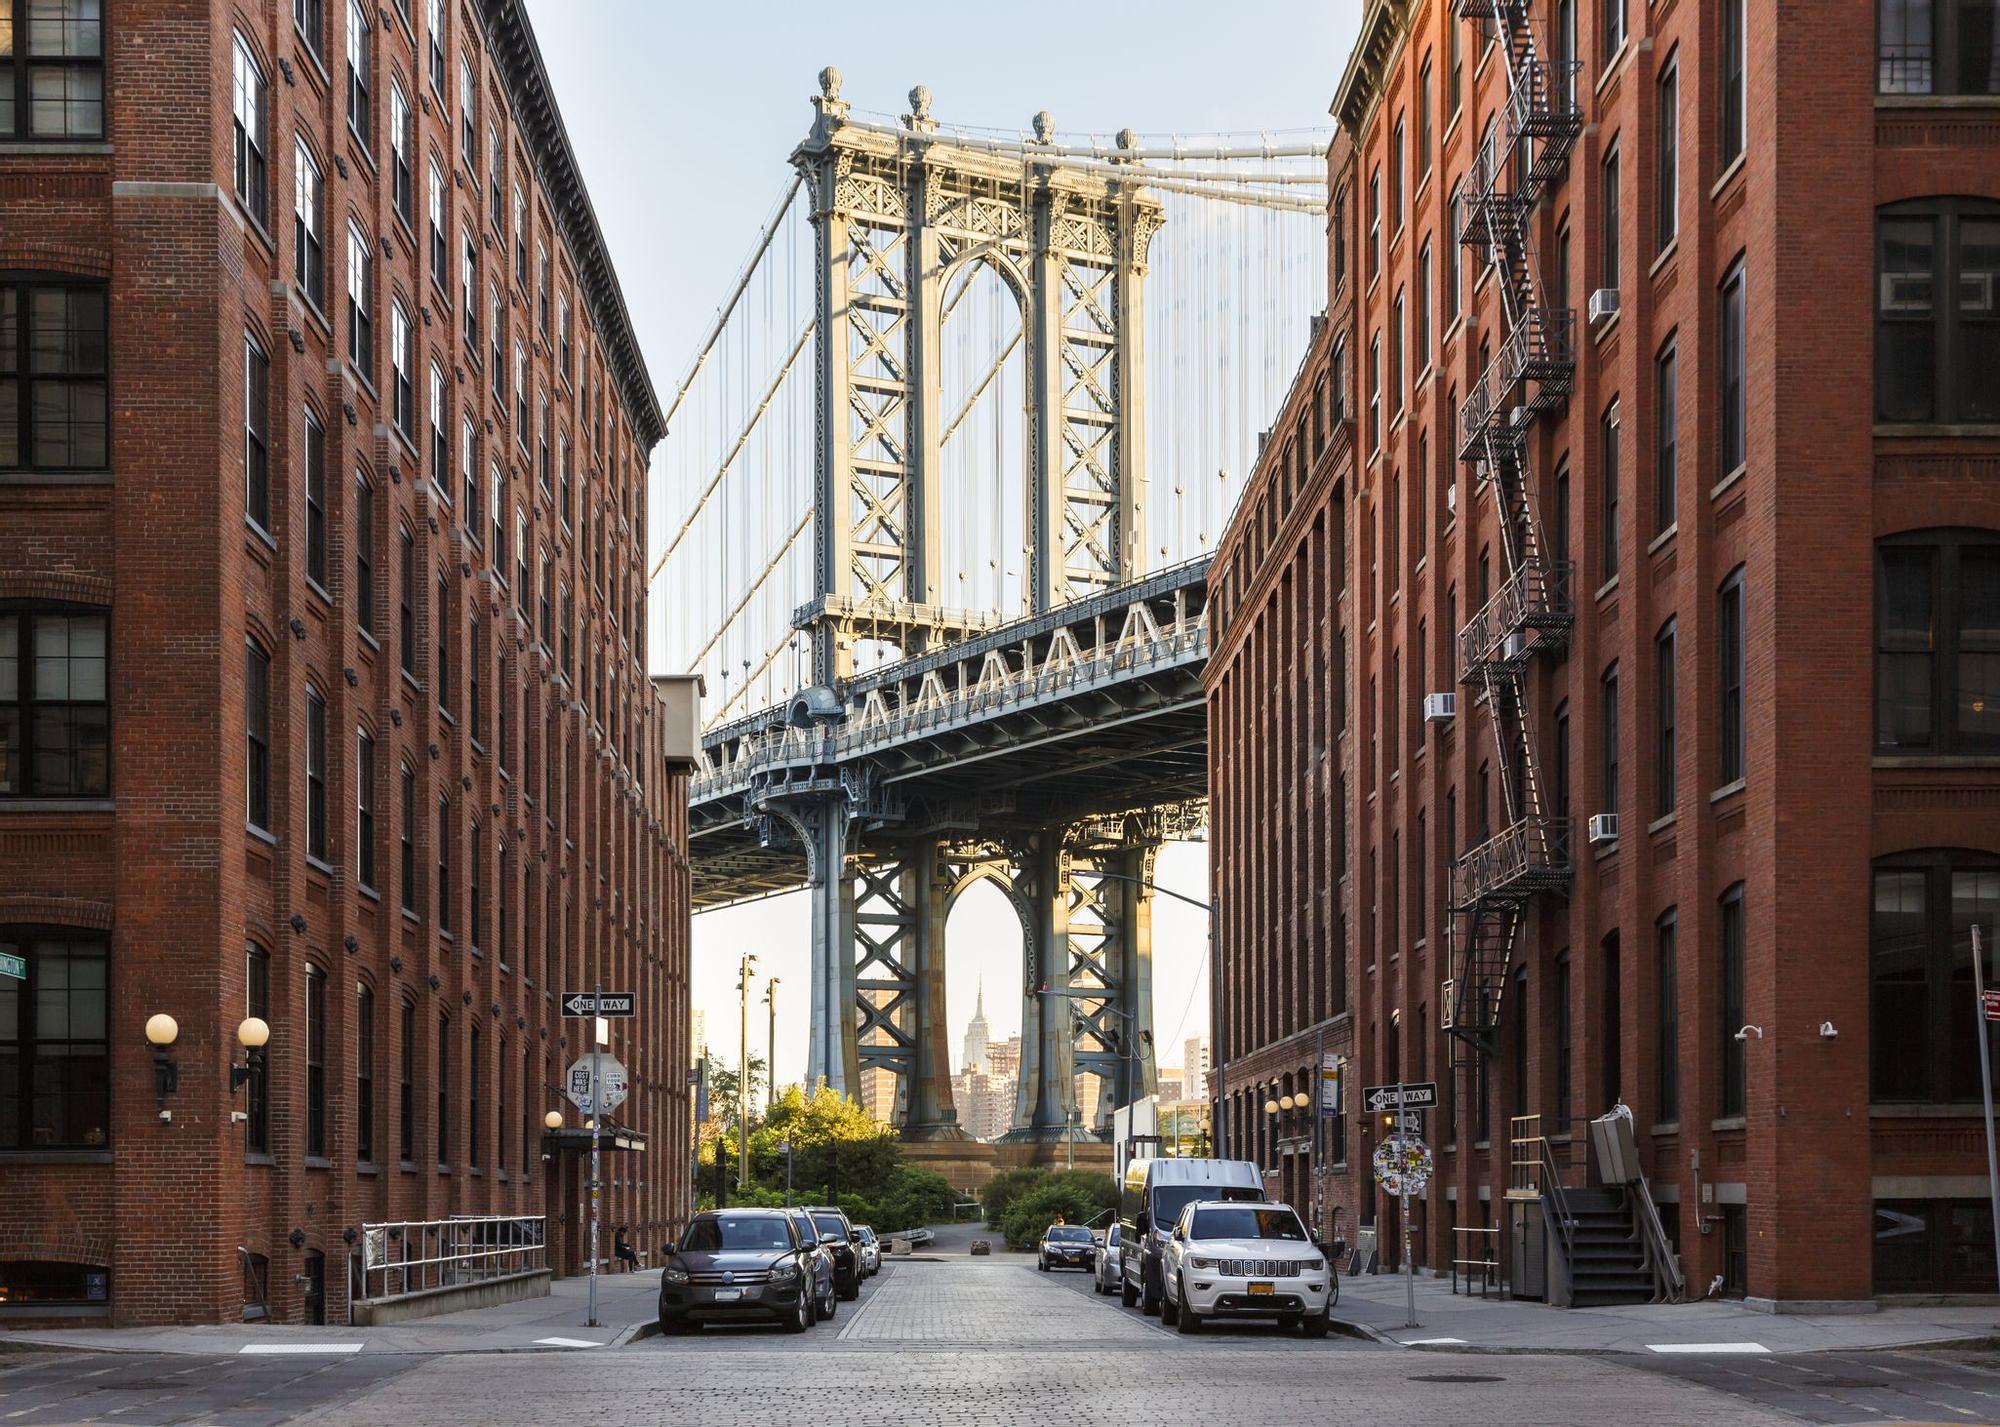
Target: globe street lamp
<point>162,1031</point>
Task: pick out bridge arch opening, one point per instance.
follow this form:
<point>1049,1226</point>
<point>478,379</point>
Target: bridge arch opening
<point>984,456</point>
<point>985,976</point>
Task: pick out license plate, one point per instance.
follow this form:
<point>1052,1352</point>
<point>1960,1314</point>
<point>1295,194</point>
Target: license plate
<point>1257,1289</point>
<point>730,1295</point>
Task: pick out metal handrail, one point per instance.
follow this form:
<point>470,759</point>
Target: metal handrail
<point>409,1256</point>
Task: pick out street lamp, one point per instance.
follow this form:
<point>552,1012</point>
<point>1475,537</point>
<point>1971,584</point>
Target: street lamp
<point>253,1034</point>
<point>771,1047</point>
<point>162,1031</point>
<point>745,969</point>
<point>552,1120</point>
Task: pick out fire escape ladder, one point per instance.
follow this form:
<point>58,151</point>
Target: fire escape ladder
<point>1493,883</point>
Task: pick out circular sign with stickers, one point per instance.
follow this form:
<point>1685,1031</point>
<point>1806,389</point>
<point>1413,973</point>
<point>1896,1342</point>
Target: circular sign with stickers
<point>1403,1164</point>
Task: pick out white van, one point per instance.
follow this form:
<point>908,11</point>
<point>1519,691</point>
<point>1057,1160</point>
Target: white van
<point>1150,1204</point>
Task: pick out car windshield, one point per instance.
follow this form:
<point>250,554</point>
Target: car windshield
<point>830,1224</point>
<point>1247,1223</point>
<point>1068,1234</point>
<point>709,1236</point>
<point>866,1235</point>
<point>1169,1200</point>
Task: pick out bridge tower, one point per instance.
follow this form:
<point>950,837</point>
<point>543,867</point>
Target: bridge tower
<point>898,211</point>
<point>1528,617</point>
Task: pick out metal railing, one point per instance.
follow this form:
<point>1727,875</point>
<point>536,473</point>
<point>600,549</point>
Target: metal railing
<point>418,1255</point>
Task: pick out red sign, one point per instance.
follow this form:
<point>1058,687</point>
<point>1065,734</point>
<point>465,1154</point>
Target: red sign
<point>1990,1003</point>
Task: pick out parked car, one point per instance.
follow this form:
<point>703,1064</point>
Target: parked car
<point>1105,1279</point>
<point>1066,1246</point>
<point>871,1250</point>
<point>734,1264</point>
<point>1150,1203</point>
<point>837,1233</point>
<point>1228,1259</point>
<point>825,1301</point>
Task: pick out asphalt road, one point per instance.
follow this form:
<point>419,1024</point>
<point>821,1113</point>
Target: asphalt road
<point>955,1341</point>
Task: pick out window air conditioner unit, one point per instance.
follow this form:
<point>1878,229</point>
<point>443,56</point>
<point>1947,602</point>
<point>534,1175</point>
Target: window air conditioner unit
<point>1603,829</point>
<point>1440,708</point>
<point>1603,305</point>
<point>1517,646</point>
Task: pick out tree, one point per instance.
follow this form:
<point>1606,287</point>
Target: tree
<point>722,1083</point>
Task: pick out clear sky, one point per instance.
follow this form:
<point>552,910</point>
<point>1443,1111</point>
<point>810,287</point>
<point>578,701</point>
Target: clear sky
<point>683,113</point>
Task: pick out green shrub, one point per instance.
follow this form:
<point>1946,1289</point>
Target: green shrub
<point>1074,1197</point>
<point>1002,1189</point>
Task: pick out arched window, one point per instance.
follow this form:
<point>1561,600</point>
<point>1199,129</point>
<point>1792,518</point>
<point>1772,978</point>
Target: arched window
<point>1937,317</point>
<point>1921,1030</point>
<point>1937,642</point>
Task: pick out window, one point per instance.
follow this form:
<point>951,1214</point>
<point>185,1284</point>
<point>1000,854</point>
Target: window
<point>1937,47</point>
<point>1608,784</point>
<point>1454,90</point>
<point>1664,754</point>
<point>364,554</point>
<point>1559,519</point>
<point>52,70</point>
<point>257,1002</point>
<point>406,596</point>
<point>309,16</point>
<point>55,724</point>
<point>547,600</point>
<point>250,131</point>
<point>1396,322</point>
<point>1666,1020</point>
<point>440,223</point>
<point>407,841</point>
<point>1735,131</point>
<point>1451,283</point>
<point>53,387</point>
<point>1396,148</point>
<point>1607,466</point>
<point>315,774</point>
<point>444,866</point>
<point>500,1120</point>
<point>315,480</point>
<point>474,1126</point>
<point>1562,40</point>
<point>1729,372</point>
<point>1375,392</point>
<point>1608,256</point>
<point>1730,634</point>
<point>443,690</point>
<point>364,1075</point>
<point>364,808</point>
<point>495,165</point>
<point>315,1062</point>
<point>308,226</point>
<point>55,1058</point>
<point>401,140</point>
<point>475,920</point>
<point>406,1085</point>
<point>542,287</point>
<point>1565,1046</point>
<point>1611,31</point>
<point>402,375</point>
<point>360,305</point>
<point>562,477</point>
<point>472,663</point>
<point>1375,222</point>
<point>440,422</point>
<point>434,37</point>
<point>1421,353</point>
<point>496,510</point>
<point>1937,361</point>
<point>1424,119</point>
<point>1937,643</point>
<point>256,433</point>
<point>496,335</point>
<point>1729,990</point>
<point>520,238</point>
<point>562,335</point>
<point>1667,165</point>
<point>1666,438</point>
<point>444,1092</point>
<point>468,112</point>
<point>257,735</point>
<point>520,388</point>
<point>360,71</point>
<point>1922,1032</point>
<point>542,442</point>
<point>468,292</point>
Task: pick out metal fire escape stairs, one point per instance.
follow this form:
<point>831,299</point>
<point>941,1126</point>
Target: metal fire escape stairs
<point>1530,613</point>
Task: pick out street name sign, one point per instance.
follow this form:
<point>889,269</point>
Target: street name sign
<point>14,966</point>
<point>597,1003</point>
<point>1988,1000</point>
<point>1377,1098</point>
<point>610,1073</point>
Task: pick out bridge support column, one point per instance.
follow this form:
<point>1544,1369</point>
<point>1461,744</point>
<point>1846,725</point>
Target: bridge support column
<point>830,1042</point>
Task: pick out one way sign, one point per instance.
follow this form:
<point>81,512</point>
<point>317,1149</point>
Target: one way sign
<point>592,1003</point>
<point>1400,1097</point>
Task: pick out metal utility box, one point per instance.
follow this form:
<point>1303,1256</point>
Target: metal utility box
<point>1527,1262</point>
<point>681,728</point>
<point>1616,1151</point>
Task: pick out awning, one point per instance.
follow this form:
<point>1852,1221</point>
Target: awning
<point>613,1138</point>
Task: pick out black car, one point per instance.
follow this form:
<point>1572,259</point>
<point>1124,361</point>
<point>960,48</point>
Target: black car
<point>1066,1246</point>
<point>737,1264</point>
<point>825,1303</point>
<point>838,1234</point>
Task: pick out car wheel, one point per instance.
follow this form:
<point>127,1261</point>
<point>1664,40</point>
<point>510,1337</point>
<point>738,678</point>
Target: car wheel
<point>672,1326</point>
<point>829,1307</point>
<point>850,1290</point>
<point>1288,1322</point>
<point>1151,1299</point>
<point>1127,1294</point>
<point>1186,1319</point>
<point>1316,1326</point>
<point>800,1318</point>
<point>812,1306</point>
<point>1170,1311</point>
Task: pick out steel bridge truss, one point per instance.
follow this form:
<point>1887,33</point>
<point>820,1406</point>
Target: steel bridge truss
<point>1494,884</point>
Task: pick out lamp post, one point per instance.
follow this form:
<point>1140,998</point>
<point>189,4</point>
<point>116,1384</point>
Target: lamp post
<point>771,1047</point>
<point>745,968</point>
<point>162,1031</point>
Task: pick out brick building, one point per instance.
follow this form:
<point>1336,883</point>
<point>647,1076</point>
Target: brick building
<point>1280,763</point>
<point>1756,518</point>
<point>323,440</point>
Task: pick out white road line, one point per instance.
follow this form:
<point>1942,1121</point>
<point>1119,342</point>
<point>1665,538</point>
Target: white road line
<point>567,1343</point>
<point>1707,1348</point>
<point>287,1349</point>
<point>1429,1342</point>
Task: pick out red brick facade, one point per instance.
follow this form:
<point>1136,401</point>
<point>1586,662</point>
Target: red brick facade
<point>535,746</point>
<point>1794,1164</point>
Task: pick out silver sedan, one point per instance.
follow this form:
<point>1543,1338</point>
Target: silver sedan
<point>1108,1267</point>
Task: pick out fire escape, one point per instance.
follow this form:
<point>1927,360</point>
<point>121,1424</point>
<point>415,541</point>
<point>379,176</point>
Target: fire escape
<point>1530,613</point>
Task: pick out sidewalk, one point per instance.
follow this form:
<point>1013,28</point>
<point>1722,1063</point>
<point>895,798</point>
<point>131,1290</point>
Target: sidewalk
<point>625,1303</point>
<point>1375,1306</point>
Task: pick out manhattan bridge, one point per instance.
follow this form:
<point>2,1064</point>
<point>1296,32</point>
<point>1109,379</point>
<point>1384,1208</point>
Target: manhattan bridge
<point>938,500</point>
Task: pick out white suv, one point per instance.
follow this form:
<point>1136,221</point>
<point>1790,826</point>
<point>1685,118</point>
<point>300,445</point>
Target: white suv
<point>1236,1260</point>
